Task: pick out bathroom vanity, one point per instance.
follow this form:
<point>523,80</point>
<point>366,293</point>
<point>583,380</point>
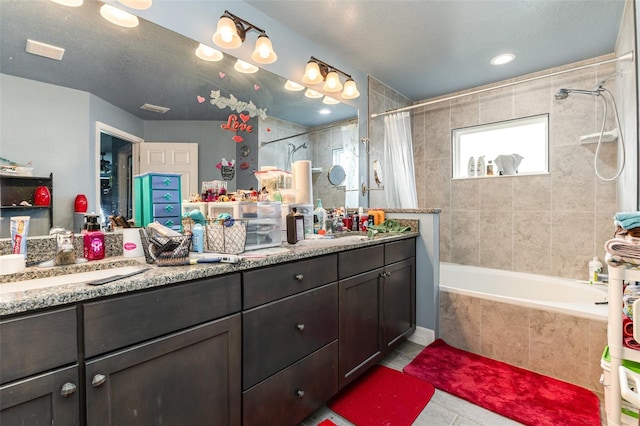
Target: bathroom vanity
<point>260,342</point>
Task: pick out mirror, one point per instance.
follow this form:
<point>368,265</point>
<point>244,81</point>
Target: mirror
<point>336,175</point>
<point>107,73</point>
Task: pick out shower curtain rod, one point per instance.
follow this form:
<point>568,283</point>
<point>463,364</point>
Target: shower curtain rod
<point>626,57</point>
<point>313,130</point>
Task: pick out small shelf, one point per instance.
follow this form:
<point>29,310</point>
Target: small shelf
<point>15,189</point>
<point>24,207</point>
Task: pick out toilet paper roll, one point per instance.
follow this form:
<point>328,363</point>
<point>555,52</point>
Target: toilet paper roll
<point>302,182</point>
<point>131,243</point>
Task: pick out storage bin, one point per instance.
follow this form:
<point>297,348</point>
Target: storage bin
<point>264,220</point>
<point>157,199</point>
<point>629,412</point>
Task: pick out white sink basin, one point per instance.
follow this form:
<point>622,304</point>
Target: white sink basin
<point>40,283</point>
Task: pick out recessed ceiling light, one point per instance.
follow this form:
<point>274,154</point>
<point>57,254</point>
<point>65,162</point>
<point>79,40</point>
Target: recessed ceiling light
<point>503,59</point>
<point>324,111</point>
<point>43,49</point>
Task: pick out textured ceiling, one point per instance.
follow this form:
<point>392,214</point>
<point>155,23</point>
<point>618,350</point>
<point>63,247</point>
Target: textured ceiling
<point>426,48</point>
<point>421,48</point>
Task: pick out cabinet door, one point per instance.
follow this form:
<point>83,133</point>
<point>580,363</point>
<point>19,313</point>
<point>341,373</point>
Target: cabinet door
<point>190,378</point>
<point>360,325</point>
<point>48,399</point>
<point>399,306</point>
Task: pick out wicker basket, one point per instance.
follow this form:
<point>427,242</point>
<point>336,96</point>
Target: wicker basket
<point>228,237</point>
<point>165,251</point>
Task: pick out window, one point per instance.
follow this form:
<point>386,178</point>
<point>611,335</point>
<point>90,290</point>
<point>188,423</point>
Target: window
<point>513,147</point>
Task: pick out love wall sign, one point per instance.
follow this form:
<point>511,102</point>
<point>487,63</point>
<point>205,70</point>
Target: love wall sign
<point>235,125</point>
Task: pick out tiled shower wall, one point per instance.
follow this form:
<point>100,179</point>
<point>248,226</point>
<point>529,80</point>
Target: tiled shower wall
<point>550,224</point>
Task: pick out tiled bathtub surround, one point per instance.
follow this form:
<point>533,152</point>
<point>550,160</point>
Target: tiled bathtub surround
<point>546,224</point>
<point>566,347</point>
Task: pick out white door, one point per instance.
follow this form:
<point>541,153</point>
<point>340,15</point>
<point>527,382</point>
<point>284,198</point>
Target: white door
<point>171,157</point>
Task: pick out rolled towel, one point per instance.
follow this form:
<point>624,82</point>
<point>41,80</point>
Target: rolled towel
<point>630,343</point>
<point>627,249</point>
<point>627,220</point>
<point>627,326</point>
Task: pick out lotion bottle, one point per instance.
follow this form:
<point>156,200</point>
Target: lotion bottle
<point>198,238</point>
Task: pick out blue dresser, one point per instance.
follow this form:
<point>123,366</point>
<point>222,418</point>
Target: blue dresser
<point>157,199</point>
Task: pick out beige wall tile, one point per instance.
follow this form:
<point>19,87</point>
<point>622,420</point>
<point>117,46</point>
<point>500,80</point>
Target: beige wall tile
<point>465,237</point>
<point>560,346</point>
<point>496,228</point>
<point>460,321</point>
<point>573,181</point>
<point>597,343</point>
<point>531,193</point>
<point>465,194</point>
<point>496,194</point>
<point>496,105</point>
<point>572,236</point>
<point>504,333</point>
<point>532,242</point>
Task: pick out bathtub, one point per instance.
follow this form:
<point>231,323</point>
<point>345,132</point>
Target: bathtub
<point>562,295</point>
<point>545,324</point>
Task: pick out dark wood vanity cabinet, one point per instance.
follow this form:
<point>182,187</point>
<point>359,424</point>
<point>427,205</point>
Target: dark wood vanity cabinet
<point>166,356</point>
<point>377,304</point>
<point>290,351</point>
<point>39,369</point>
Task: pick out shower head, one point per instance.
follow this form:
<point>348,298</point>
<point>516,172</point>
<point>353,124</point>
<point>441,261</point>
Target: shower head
<point>564,93</point>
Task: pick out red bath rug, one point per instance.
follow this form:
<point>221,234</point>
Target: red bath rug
<point>516,393</point>
<point>382,396</point>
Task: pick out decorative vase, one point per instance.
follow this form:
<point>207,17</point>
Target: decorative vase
<point>81,204</point>
<point>42,196</point>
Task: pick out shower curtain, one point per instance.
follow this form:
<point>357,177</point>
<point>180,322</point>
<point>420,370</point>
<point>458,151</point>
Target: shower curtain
<point>399,176</point>
<point>350,158</point>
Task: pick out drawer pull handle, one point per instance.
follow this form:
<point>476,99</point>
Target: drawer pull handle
<point>167,196</point>
<point>98,380</point>
<point>300,327</point>
<point>299,277</point>
<point>68,389</point>
<point>300,393</point>
<point>168,208</point>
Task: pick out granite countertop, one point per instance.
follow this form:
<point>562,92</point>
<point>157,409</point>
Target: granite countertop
<point>24,301</point>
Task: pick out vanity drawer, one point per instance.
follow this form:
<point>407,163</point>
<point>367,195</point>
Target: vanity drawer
<point>166,209</point>
<point>47,340</point>
<point>354,262</point>
<point>122,321</point>
<point>399,250</point>
<point>299,390</point>
<point>275,282</point>
<point>159,181</point>
<point>172,222</point>
<point>165,196</point>
<point>278,334</point>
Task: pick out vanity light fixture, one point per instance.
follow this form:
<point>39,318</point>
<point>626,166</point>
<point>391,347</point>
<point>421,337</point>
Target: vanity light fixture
<point>137,4</point>
<point>318,71</point>
<point>313,94</point>
<point>207,53</point>
<point>503,59</point>
<point>293,86</point>
<point>231,33</point>
<point>245,67</point>
<point>328,100</point>
<point>118,17</point>
<point>71,3</point>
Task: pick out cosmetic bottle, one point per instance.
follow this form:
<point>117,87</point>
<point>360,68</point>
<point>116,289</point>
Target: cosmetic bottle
<point>197,238</point>
<point>295,226</point>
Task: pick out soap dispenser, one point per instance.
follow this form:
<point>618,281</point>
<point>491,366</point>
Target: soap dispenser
<point>93,238</point>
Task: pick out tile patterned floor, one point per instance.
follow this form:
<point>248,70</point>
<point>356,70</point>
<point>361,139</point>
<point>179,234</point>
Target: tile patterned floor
<point>442,410</point>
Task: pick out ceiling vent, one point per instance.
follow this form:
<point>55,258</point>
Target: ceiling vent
<point>44,49</point>
<point>155,108</point>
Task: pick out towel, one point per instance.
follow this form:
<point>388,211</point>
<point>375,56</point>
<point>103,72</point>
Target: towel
<point>627,327</point>
<point>627,220</point>
<point>623,250</point>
